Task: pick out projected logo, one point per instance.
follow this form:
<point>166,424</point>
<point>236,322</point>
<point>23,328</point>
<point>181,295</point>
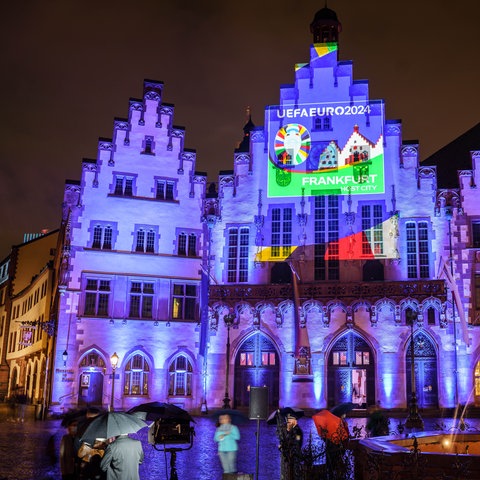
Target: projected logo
<point>325,150</point>
<point>292,145</point>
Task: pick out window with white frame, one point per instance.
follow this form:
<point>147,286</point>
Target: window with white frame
<point>187,244</point>
<point>145,239</point>
<point>417,250</point>
<point>184,301</point>
<point>238,245</point>
<point>372,218</point>
<point>165,189</point>
<point>326,235</point>
<point>282,231</point>
<point>97,295</point>
<point>102,237</point>
<point>141,300</point>
<point>180,377</point>
<point>136,374</point>
<point>124,185</point>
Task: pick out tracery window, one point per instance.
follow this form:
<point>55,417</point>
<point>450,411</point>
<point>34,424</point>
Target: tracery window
<point>136,374</point>
<point>180,376</point>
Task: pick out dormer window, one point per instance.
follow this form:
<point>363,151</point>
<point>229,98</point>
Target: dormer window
<point>148,145</point>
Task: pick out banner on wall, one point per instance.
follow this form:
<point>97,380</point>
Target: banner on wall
<point>325,149</point>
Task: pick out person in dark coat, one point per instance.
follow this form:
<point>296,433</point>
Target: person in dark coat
<point>68,454</point>
<point>122,458</point>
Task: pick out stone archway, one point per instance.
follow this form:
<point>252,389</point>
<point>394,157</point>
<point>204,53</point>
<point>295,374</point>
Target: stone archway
<point>256,365</point>
<point>425,359</point>
<point>351,372</point>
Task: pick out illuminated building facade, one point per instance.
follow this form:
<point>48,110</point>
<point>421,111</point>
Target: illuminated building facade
<point>320,256</point>
<point>27,339</point>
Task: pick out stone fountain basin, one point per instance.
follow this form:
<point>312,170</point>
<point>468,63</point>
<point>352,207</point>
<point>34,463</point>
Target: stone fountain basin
<point>440,452</point>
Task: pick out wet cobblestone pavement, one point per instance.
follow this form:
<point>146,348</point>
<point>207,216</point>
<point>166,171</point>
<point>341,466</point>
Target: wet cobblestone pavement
<point>24,450</point>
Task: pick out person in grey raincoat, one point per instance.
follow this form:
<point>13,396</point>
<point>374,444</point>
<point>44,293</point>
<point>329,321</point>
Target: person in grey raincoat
<point>122,458</point>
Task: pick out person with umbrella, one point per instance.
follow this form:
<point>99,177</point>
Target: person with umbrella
<point>227,435</point>
<point>122,458</point>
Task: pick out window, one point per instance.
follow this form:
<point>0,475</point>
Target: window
<point>476,234</point>
<point>322,123</point>
<point>326,231</point>
<point>372,218</point>
<point>136,374</point>
<point>281,232</point>
<point>148,145</point>
<point>123,185</point>
<point>165,189</point>
<point>92,359</point>
<point>145,240</point>
<point>187,244</point>
<point>97,293</point>
<point>180,376</point>
<point>268,358</point>
<point>141,300</point>
<point>102,237</point>
<point>238,243</point>
<point>184,301</point>
<point>477,299</point>
<point>417,250</point>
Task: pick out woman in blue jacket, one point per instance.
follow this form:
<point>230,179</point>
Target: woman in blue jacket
<point>227,436</point>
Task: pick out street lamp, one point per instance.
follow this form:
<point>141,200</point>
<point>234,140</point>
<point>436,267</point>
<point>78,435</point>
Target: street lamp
<point>228,319</point>
<point>414,420</point>
<point>65,357</point>
<point>113,363</point>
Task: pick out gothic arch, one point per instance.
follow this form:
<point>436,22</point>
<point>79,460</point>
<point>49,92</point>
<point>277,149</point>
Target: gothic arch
<point>350,368</point>
<point>425,362</point>
<point>256,364</point>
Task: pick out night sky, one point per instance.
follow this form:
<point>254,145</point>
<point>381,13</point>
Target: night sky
<point>70,67</point>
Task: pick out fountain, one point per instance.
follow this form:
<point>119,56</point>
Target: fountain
<point>426,454</point>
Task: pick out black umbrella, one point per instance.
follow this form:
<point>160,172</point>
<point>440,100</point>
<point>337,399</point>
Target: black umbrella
<point>111,424</point>
<point>75,415</point>
<point>160,410</point>
<point>282,414</point>
<point>238,418</point>
<point>342,408</point>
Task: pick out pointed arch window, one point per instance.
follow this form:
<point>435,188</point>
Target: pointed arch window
<point>180,377</point>
<point>92,359</point>
<point>136,374</point>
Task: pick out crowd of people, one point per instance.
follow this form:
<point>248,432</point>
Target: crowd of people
<point>115,458</point>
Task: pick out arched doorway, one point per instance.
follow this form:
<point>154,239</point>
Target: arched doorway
<point>256,365</point>
<point>425,360</point>
<point>351,372</point>
<point>90,388</point>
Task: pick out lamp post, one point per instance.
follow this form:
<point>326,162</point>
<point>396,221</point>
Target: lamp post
<point>414,420</point>
<point>113,363</point>
<point>228,319</point>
